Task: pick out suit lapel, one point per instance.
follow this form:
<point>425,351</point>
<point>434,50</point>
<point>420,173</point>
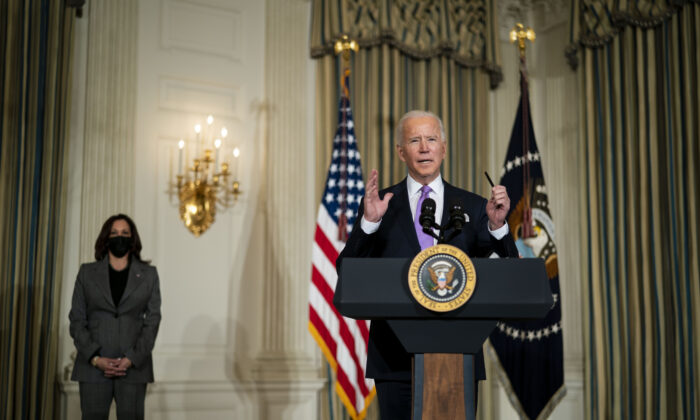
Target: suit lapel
<point>102,280</point>
<point>134,280</point>
<point>404,215</point>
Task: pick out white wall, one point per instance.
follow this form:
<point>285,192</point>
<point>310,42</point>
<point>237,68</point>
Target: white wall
<point>196,57</point>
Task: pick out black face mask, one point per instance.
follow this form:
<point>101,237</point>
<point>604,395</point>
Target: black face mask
<point>120,245</point>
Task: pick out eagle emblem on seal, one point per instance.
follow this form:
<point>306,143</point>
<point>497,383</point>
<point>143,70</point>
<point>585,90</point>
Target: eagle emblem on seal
<point>441,280</point>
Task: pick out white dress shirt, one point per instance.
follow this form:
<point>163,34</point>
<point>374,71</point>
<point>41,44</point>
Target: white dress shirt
<point>438,194</point>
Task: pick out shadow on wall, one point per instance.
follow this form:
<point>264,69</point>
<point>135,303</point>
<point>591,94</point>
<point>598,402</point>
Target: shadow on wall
<point>245,312</point>
<point>247,297</point>
<point>189,372</point>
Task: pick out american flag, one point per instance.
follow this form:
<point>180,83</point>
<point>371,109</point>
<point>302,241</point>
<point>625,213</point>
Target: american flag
<point>342,340</point>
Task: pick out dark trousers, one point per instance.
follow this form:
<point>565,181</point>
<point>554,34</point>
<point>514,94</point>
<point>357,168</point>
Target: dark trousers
<point>95,399</point>
<point>394,398</point>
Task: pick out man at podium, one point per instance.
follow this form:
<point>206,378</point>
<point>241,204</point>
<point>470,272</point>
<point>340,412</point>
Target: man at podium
<point>389,228</point>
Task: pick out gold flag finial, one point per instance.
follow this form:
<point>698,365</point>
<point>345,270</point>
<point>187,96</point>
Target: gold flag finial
<point>344,45</point>
<point>520,34</point>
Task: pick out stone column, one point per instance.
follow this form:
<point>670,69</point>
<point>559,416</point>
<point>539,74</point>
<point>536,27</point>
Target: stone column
<point>110,99</point>
<point>287,364</point>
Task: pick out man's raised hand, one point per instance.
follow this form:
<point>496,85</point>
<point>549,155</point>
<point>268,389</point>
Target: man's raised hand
<point>374,206</point>
<point>497,207</point>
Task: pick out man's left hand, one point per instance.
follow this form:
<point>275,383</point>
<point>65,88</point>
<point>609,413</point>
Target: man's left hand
<point>497,207</point>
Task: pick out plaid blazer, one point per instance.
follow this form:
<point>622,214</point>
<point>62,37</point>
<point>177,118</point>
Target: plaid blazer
<point>129,329</point>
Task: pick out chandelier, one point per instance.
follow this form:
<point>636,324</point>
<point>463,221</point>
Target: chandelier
<point>208,183</point>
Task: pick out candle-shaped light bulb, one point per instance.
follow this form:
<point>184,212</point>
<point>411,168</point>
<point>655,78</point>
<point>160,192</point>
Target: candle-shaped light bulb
<point>224,132</point>
<point>198,130</point>
<point>234,164</point>
<point>217,145</point>
<point>208,132</point>
<point>180,146</point>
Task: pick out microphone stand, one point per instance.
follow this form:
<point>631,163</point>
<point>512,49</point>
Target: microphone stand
<point>443,229</point>
<point>427,221</point>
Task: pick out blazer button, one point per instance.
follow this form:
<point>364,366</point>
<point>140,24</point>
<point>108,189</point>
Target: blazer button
<point>116,315</point>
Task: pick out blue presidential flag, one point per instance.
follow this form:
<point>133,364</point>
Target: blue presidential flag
<point>529,354</point>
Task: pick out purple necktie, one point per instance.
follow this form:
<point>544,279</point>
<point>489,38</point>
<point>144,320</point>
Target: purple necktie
<point>425,240</point>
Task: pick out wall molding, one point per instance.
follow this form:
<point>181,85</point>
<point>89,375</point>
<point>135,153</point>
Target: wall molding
<point>181,400</point>
<point>191,96</point>
<point>198,23</point>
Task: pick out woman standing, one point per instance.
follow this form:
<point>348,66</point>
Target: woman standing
<point>114,321</point>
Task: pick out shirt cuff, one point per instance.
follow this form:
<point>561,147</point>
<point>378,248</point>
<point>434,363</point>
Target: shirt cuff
<point>369,227</point>
<point>500,232</point>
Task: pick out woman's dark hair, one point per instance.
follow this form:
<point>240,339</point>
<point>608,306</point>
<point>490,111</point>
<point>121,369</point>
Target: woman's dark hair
<point>101,244</point>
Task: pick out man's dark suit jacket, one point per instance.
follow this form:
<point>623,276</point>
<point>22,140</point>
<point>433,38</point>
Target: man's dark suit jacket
<point>396,238</point>
<point>128,329</point>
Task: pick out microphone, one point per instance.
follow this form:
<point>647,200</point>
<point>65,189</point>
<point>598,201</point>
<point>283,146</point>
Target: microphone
<point>427,214</point>
<point>457,219</point>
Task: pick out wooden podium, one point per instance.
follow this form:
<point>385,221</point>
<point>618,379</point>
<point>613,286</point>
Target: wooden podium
<point>443,344</point>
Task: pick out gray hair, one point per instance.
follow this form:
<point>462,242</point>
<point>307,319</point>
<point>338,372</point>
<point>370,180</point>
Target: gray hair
<point>398,137</point>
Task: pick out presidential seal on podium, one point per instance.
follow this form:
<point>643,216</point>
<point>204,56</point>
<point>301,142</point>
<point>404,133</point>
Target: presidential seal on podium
<point>442,278</point>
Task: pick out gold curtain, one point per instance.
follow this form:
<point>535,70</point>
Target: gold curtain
<point>35,40</point>
<point>437,56</point>
<point>640,80</point>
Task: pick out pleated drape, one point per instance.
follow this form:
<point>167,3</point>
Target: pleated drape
<point>641,145</point>
<point>35,40</point>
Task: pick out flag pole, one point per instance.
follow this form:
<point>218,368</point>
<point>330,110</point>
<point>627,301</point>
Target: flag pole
<point>343,47</point>
<point>519,34</point>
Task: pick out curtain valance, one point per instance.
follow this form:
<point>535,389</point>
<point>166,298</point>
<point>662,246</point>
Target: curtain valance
<point>464,31</point>
<point>595,23</point>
